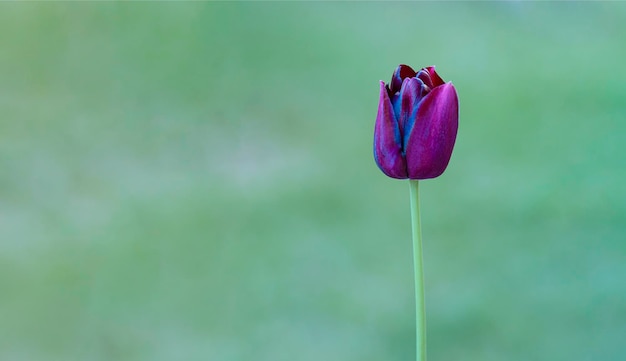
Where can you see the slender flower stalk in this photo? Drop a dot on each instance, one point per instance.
(420, 307)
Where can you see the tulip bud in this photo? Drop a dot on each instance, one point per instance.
(416, 125)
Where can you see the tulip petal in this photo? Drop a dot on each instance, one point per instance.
(424, 76)
(437, 81)
(432, 137)
(412, 91)
(402, 72)
(387, 142)
(396, 103)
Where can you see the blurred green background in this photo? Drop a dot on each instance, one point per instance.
(195, 181)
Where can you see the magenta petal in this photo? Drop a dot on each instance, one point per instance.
(424, 76)
(431, 140)
(387, 144)
(411, 94)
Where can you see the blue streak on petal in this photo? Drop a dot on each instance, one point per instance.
(396, 102)
(410, 121)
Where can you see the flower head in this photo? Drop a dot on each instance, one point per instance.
(416, 125)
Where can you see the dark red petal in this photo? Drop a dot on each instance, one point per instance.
(387, 144)
(402, 72)
(431, 141)
(437, 81)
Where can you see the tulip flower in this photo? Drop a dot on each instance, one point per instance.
(416, 126)
(415, 131)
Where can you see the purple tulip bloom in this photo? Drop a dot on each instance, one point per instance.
(416, 125)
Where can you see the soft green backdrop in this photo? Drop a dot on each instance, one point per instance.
(194, 181)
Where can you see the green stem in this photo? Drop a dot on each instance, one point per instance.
(420, 311)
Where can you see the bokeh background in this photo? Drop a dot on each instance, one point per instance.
(194, 181)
